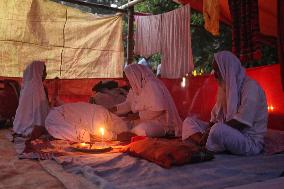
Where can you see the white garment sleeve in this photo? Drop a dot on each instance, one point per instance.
(123, 108)
(214, 113)
(249, 102)
(150, 115)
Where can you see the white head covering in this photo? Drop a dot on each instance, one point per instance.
(144, 62)
(159, 69)
(228, 98)
(33, 103)
(158, 95)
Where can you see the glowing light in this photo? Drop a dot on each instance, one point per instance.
(183, 82)
(270, 108)
(83, 144)
(102, 130)
(194, 73)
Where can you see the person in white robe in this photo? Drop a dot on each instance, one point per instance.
(79, 122)
(158, 73)
(154, 111)
(33, 103)
(145, 62)
(239, 118)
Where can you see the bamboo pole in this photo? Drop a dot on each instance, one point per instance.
(130, 4)
(88, 4)
(130, 40)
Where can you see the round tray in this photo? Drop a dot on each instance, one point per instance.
(94, 149)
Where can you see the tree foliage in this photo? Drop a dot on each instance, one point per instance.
(204, 45)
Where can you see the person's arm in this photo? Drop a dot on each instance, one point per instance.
(121, 109)
(149, 115)
(236, 124)
(245, 116)
(133, 116)
(205, 135)
(211, 123)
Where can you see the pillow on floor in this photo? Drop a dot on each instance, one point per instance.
(166, 153)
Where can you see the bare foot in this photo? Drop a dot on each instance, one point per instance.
(195, 138)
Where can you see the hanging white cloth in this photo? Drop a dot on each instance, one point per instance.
(147, 35)
(169, 34)
(33, 104)
(177, 60)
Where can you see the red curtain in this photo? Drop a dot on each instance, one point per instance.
(197, 98)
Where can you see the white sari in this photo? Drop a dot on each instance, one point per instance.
(76, 121)
(148, 96)
(33, 104)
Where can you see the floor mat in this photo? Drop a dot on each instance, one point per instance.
(19, 174)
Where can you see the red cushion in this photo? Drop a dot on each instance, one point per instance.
(166, 152)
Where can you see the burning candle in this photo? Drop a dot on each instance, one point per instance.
(183, 82)
(83, 144)
(102, 133)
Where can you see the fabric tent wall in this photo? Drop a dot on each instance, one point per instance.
(267, 13)
(74, 44)
(197, 98)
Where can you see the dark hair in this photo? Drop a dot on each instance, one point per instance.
(105, 85)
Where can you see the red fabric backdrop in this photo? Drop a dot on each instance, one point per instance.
(197, 98)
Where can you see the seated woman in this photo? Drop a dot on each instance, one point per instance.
(108, 94)
(155, 114)
(238, 119)
(79, 122)
(33, 103)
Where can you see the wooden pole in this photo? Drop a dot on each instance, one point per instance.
(88, 4)
(130, 4)
(130, 40)
(280, 38)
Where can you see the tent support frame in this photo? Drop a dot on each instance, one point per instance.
(130, 40)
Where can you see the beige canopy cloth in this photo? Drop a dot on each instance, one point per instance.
(72, 43)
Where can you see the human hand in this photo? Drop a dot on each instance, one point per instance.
(204, 137)
(133, 116)
(210, 124)
(113, 109)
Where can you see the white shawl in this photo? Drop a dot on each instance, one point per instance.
(33, 103)
(228, 97)
(151, 92)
